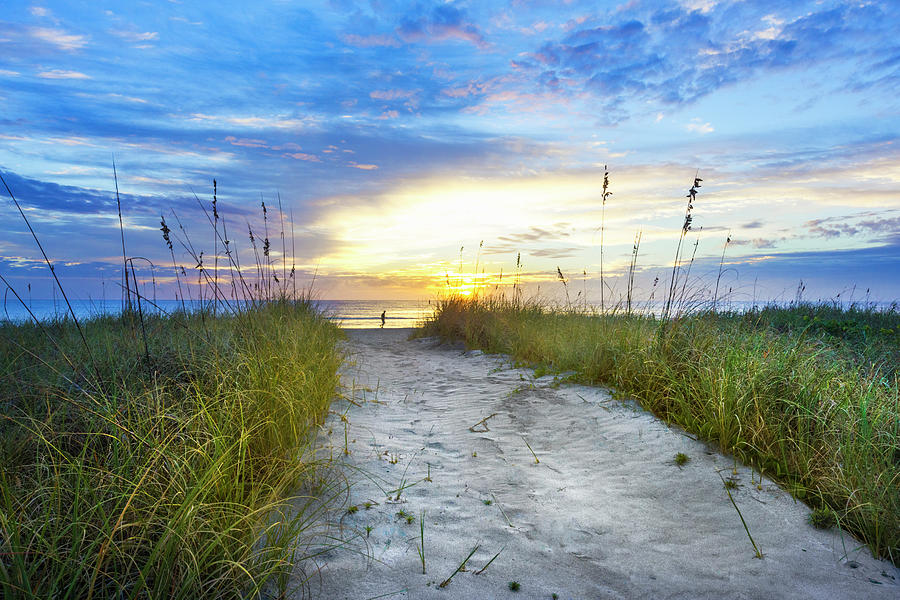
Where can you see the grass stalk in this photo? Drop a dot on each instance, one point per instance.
(758, 553)
(421, 545)
(719, 275)
(461, 566)
(604, 195)
(536, 460)
(488, 563)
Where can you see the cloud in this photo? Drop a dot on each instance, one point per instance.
(878, 226)
(364, 167)
(59, 38)
(246, 142)
(443, 22)
(62, 74)
(134, 36)
(824, 273)
(303, 156)
(697, 126)
(758, 243)
(555, 252)
(392, 94)
(251, 122)
(44, 196)
(680, 54)
(370, 41)
(534, 234)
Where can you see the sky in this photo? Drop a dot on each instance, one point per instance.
(420, 147)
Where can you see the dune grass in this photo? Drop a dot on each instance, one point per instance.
(809, 394)
(160, 466)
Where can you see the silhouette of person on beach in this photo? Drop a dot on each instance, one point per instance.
(382, 318)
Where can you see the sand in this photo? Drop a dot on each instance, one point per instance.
(605, 513)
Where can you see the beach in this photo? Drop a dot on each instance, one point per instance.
(552, 488)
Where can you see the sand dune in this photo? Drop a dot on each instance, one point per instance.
(605, 513)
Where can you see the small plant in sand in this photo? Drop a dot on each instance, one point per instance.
(536, 459)
(488, 563)
(421, 545)
(487, 501)
(758, 552)
(730, 484)
(821, 518)
(461, 567)
(682, 459)
(514, 586)
(352, 509)
(368, 530)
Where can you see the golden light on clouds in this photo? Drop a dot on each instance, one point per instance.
(429, 229)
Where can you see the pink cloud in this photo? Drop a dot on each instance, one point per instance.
(445, 22)
(303, 156)
(472, 89)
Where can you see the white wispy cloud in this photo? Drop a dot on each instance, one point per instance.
(134, 36)
(698, 126)
(252, 122)
(114, 96)
(62, 74)
(392, 94)
(59, 38)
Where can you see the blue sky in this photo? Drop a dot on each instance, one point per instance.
(396, 133)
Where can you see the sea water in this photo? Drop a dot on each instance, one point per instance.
(350, 314)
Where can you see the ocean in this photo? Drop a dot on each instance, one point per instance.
(350, 314)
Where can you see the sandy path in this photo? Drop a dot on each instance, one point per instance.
(605, 513)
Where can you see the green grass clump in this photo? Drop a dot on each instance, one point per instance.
(822, 518)
(806, 394)
(682, 459)
(514, 586)
(156, 459)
